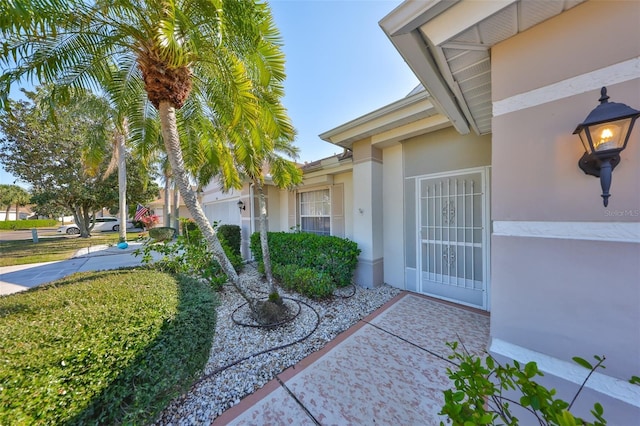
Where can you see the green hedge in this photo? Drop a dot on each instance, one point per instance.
(108, 347)
(307, 281)
(334, 256)
(231, 235)
(162, 233)
(27, 224)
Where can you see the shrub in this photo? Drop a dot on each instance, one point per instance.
(27, 224)
(307, 281)
(190, 255)
(334, 256)
(111, 347)
(163, 233)
(188, 225)
(231, 235)
(479, 395)
(314, 284)
(150, 221)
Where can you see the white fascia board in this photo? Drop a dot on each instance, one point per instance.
(459, 18)
(404, 109)
(417, 128)
(414, 50)
(411, 14)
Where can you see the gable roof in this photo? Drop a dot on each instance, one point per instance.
(447, 45)
(412, 115)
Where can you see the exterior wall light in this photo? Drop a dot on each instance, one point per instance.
(604, 134)
(241, 205)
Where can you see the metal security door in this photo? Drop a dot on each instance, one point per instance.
(452, 211)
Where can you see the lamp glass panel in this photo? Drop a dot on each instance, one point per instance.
(610, 135)
(584, 138)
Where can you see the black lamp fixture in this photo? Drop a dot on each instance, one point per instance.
(604, 134)
(241, 205)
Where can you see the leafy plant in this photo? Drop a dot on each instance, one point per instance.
(307, 281)
(111, 347)
(334, 256)
(150, 221)
(480, 394)
(162, 233)
(188, 255)
(27, 224)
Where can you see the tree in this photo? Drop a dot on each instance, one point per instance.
(50, 154)
(190, 56)
(13, 195)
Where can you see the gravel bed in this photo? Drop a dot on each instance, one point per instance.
(229, 376)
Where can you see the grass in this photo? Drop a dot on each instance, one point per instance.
(53, 248)
(109, 347)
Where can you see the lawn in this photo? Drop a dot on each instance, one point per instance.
(53, 248)
(110, 347)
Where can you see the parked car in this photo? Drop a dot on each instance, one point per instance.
(106, 223)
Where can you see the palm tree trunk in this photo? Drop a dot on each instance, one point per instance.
(169, 128)
(176, 207)
(264, 243)
(122, 180)
(166, 216)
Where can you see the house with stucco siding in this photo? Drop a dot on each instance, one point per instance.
(468, 189)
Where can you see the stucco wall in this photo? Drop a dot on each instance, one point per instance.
(565, 269)
(393, 206)
(444, 151)
(437, 152)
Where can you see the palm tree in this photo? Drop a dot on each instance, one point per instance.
(13, 195)
(188, 54)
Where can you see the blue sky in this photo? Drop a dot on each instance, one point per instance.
(340, 66)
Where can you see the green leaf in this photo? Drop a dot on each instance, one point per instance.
(583, 362)
(458, 396)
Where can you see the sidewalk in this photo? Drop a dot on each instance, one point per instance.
(389, 369)
(21, 277)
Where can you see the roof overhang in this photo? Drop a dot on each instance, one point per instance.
(413, 115)
(447, 44)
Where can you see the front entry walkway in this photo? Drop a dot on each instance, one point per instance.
(389, 369)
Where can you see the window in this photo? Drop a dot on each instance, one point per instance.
(315, 212)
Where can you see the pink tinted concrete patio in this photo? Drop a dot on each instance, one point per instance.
(389, 369)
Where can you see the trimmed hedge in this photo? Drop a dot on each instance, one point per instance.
(14, 225)
(162, 233)
(111, 347)
(307, 281)
(334, 256)
(231, 235)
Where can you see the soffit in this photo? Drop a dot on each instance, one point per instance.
(411, 109)
(457, 43)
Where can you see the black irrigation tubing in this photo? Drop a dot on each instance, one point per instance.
(221, 369)
(238, 361)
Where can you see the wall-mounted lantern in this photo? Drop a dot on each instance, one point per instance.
(604, 134)
(241, 206)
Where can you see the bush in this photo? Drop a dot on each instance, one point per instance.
(307, 281)
(334, 256)
(188, 225)
(231, 235)
(163, 233)
(111, 347)
(189, 255)
(13, 225)
(480, 394)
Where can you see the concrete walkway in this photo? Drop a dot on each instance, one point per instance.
(21, 277)
(389, 369)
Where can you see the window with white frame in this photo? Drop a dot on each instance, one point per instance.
(315, 212)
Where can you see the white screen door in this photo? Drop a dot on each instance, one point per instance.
(452, 255)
